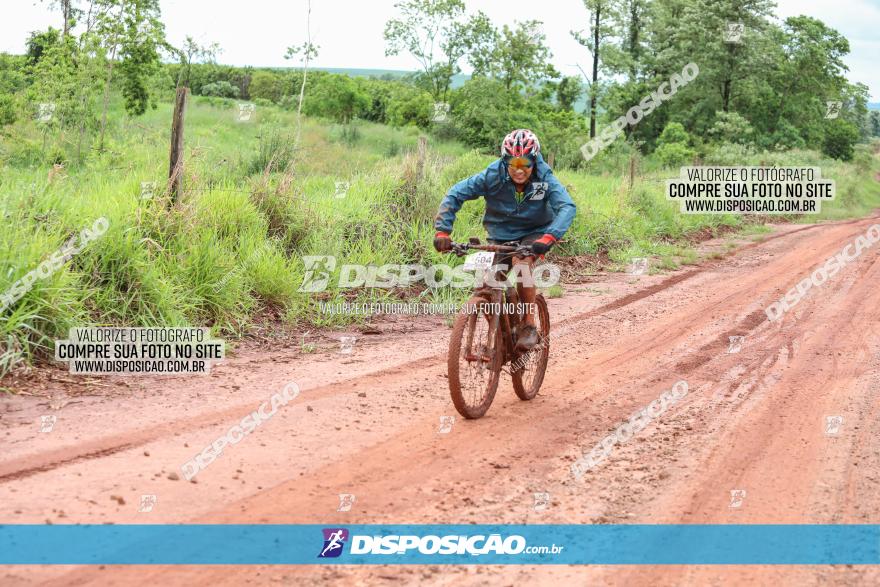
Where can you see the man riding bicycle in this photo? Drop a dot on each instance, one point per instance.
(535, 213)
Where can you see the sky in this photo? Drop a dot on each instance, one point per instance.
(349, 33)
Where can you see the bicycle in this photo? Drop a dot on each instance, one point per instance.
(476, 358)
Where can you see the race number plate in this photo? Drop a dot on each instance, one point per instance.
(481, 260)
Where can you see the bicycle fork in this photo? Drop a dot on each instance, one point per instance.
(486, 354)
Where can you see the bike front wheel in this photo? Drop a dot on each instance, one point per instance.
(474, 365)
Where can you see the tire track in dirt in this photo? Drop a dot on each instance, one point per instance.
(19, 468)
(485, 473)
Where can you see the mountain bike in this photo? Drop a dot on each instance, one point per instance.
(483, 340)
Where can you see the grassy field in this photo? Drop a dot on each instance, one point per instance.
(231, 249)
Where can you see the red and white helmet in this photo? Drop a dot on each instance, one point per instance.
(520, 143)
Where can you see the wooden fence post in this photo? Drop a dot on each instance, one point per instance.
(175, 169)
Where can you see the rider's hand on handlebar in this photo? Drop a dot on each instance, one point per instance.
(543, 244)
(442, 242)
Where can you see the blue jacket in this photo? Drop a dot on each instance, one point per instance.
(546, 207)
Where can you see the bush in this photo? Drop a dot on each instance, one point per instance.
(336, 97)
(221, 89)
(267, 85)
(7, 110)
(674, 133)
(674, 154)
(275, 152)
(673, 148)
(840, 138)
(410, 107)
(215, 101)
(730, 127)
(562, 133)
(786, 137)
(349, 134)
(728, 154)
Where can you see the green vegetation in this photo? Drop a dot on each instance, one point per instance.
(232, 249)
(85, 116)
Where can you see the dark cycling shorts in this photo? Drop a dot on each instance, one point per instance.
(526, 240)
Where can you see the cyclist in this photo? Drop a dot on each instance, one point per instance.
(524, 202)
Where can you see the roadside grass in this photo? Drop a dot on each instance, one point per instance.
(555, 291)
(234, 246)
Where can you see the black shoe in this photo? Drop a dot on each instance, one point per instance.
(528, 338)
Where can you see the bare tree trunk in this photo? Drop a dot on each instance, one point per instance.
(65, 11)
(175, 170)
(725, 96)
(634, 29)
(595, 84)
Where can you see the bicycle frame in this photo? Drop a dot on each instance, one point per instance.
(500, 296)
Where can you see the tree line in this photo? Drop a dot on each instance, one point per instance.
(763, 84)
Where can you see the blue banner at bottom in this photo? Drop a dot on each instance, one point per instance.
(441, 544)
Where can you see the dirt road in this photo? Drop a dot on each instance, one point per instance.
(755, 420)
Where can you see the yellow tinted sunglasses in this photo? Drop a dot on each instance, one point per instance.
(520, 162)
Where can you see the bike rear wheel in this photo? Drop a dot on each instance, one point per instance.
(527, 370)
(473, 368)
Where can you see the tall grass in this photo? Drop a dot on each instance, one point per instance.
(254, 204)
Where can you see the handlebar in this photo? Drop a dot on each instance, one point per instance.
(460, 249)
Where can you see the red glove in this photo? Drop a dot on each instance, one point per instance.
(442, 242)
(543, 244)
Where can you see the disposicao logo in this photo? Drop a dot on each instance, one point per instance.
(334, 540)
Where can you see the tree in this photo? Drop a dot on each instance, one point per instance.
(112, 28)
(307, 51)
(598, 40)
(38, 42)
(412, 106)
(485, 112)
(521, 58)
(875, 123)
(568, 91)
(811, 73)
(67, 83)
(139, 51)
(632, 22)
(336, 96)
(855, 110)
(481, 39)
(131, 31)
(192, 52)
(69, 13)
(432, 31)
(696, 34)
